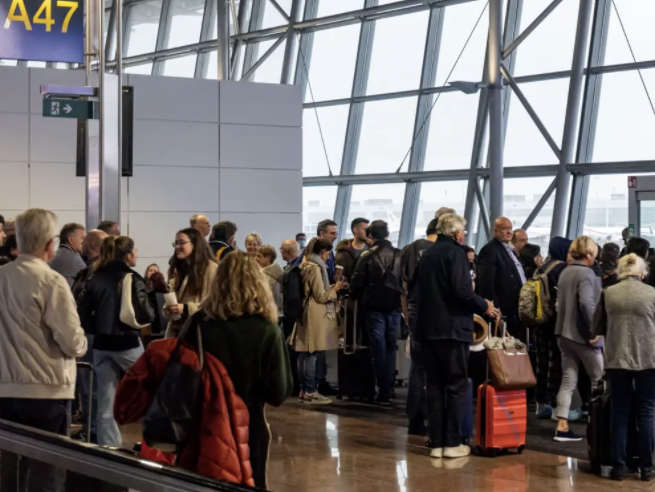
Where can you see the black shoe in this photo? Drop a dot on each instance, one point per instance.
(647, 475)
(618, 474)
(326, 389)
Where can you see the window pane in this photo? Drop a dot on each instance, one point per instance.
(332, 64)
(458, 24)
(607, 208)
(626, 125)
(36, 64)
(332, 7)
(397, 57)
(378, 201)
(145, 69)
(550, 47)
(637, 18)
(452, 125)
(524, 144)
(185, 22)
(9, 63)
(434, 196)
(142, 27)
(272, 17)
(386, 135)
(317, 204)
(333, 120)
(271, 70)
(180, 67)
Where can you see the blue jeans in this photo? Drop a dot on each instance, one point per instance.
(632, 388)
(383, 331)
(307, 371)
(417, 409)
(321, 368)
(109, 367)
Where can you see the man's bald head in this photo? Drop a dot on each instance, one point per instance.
(92, 243)
(503, 229)
(290, 250)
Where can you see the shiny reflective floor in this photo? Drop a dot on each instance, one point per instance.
(319, 452)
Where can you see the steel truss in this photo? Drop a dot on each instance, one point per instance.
(485, 178)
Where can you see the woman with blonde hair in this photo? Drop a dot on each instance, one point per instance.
(253, 242)
(578, 291)
(625, 316)
(238, 324)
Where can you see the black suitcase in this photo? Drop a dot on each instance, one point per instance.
(355, 371)
(89, 367)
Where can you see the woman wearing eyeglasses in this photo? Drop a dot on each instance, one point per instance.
(192, 271)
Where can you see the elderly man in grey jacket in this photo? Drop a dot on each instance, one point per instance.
(578, 293)
(68, 261)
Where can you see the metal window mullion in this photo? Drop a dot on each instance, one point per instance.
(110, 43)
(421, 124)
(235, 59)
(355, 115)
(126, 28)
(292, 43)
(256, 21)
(203, 57)
(162, 35)
(305, 49)
(589, 118)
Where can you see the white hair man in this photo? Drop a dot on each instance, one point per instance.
(201, 224)
(443, 211)
(40, 338)
(444, 328)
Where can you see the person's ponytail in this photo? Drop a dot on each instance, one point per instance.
(107, 252)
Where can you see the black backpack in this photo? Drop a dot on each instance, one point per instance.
(293, 293)
(386, 291)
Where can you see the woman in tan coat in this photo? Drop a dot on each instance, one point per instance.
(317, 329)
(192, 272)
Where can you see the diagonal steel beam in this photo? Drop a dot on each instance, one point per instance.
(484, 211)
(533, 114)
(280, 10)
(540, 204)
(263, 58)
(528, 30)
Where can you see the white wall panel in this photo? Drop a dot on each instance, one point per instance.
(16, 194)
(68, 216)
(14, 137)
(246, 103)
(175, 143)
(162, 188)
(273, 228)
(15, 81)
(172, 98)
(277, 147)
(54, 186)
(52, 139)
(247, 190)
(45, 76)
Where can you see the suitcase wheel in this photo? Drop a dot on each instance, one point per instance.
(520, 449)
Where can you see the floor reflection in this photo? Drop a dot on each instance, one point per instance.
(318, 452)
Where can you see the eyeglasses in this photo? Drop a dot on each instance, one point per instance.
(179, 243)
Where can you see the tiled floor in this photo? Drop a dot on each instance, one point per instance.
(319, 452)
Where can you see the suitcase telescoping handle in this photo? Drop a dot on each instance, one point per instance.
(89, 366)
(346, 351)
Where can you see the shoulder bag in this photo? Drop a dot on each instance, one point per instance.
(127, 313)
(510, 368)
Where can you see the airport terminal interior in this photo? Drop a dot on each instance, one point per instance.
(279, 114)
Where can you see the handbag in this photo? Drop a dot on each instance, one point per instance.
(127, 314)
(510, 368)
(174, 411)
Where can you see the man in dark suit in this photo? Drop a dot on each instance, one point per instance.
(444, 328)
(501, 276)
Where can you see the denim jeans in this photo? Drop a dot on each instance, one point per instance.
(307, 371)
(321, 367)
(29, 475)
(82, 387)
(109, 367)
(417, 411)
(632, 388)
(383, 331)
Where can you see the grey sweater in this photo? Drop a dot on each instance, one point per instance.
(578, 291)
(626, 317)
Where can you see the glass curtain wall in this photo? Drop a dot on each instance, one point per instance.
(386, 135)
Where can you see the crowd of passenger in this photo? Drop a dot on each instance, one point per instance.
(68, 294)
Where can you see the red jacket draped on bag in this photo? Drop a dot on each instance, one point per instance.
(219, 448)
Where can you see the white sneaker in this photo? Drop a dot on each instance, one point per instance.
(316, 398)
(457, 452)
(436, 453)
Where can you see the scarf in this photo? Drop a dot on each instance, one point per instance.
(330, 305)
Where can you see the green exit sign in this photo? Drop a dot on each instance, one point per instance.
(69, 108)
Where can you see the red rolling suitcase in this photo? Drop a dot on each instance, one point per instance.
(502, 420)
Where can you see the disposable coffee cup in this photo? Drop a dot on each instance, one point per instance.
(170, 299)
(338, 273)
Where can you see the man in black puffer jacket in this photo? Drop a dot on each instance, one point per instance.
(377, 284)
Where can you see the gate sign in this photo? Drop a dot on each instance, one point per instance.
(42, 30)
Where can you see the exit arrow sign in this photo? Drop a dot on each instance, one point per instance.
(69, 108)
